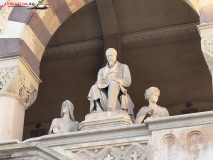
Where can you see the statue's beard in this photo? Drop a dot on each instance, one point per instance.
(111, 64)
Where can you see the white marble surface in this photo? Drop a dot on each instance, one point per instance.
(11, 119)
(122, 142)
(176, 137)
(97, 120)
(26, 151)
(187, 120)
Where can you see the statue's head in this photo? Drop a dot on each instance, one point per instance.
(111, 55)
(67, 107)
(152, 94)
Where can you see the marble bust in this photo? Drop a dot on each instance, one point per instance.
(153, 110)
(67, 121)
(109, 92)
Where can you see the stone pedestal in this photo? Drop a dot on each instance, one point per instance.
(98, 120)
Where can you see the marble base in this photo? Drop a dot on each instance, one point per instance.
(98, 120)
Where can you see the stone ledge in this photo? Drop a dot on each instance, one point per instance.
(14, 141)
(30, 150)
(92, 135)
(179, 121)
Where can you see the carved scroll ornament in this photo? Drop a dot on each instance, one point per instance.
(207, 48)
(12, 83)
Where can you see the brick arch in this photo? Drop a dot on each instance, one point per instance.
(26, 32)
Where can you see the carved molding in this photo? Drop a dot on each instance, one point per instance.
(126, 38)
(13, 83)
(73, 47)
(160, 33)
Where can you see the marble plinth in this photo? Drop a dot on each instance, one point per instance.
(98, 120)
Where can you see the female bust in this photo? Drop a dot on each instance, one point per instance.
(67, 121)
(153, 110)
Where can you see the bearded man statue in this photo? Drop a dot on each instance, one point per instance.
(109, 92)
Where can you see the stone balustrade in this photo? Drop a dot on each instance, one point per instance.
(176, 137)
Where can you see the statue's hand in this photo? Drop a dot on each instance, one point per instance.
(150, 112)
(56, 130)
(115, 79)
(103, 81)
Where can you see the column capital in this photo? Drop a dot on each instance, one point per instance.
(206, 34)
(18, 80)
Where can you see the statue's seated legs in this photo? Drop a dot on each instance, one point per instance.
(113, 91)
(108, 99)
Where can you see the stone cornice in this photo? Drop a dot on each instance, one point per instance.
(93, 135)
(126, 38)
(159, 33)
(73, 47)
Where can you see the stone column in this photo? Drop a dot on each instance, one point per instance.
(18, 90)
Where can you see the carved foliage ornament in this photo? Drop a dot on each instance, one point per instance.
(12, 82)
(207, 48)
(5, 77)
(208, 45)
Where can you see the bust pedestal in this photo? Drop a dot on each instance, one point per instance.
(98, 120)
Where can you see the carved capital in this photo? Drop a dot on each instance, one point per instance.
(207, 49)
(18, 81)
(206, 33)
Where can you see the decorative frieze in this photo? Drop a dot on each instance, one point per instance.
(159, 33)
(73, 47)
(137, 150)
(126, 38)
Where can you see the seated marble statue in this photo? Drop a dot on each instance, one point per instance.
(153, 110)
(109, 92)
(67, 123)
